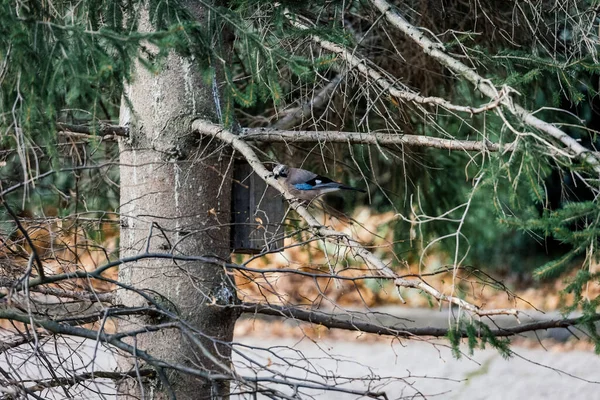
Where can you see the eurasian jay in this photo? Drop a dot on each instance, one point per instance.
(306, 185)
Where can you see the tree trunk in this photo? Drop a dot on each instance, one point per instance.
(175, 197)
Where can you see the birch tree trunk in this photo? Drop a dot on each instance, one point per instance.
(175, 197)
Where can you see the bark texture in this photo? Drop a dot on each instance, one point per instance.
(175, 197)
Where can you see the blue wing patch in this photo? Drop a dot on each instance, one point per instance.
(303, 186)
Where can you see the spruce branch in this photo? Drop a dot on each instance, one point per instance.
(405, 94)
(484, 85)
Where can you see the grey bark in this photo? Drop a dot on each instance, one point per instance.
(180, 185)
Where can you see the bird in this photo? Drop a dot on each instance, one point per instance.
(306, 185)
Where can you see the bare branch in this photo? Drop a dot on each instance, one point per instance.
(437, 51)
(356, 322)
(10, 342)
(296, 116)
(102, 129)
(116, 341)
(275, 135)
(338, 238)
(34, 254)
(86, 137)
(403, 94)
(103, 297)
(51, 172)
(75, 379)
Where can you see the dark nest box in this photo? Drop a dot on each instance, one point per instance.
(258, 212)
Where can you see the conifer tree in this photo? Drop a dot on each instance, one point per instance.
(121, 123)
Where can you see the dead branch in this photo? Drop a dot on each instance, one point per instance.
(116, 340)
(275, 135)
(355, 321)
(436, 51)
(296, 116)
(404, 94)
(76, 379)
(34, 255)
(100, 130)
(71, 294)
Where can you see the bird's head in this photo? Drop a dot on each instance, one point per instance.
(280, 170)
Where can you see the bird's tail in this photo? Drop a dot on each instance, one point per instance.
(352, 188)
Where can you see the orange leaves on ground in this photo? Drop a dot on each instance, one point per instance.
(62, 248)
(278, 284)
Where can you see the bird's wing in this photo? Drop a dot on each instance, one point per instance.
(321, 181)
(318, 183)
(299, 176)
(302, 179)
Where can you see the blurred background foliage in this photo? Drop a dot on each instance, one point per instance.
(69, 62)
